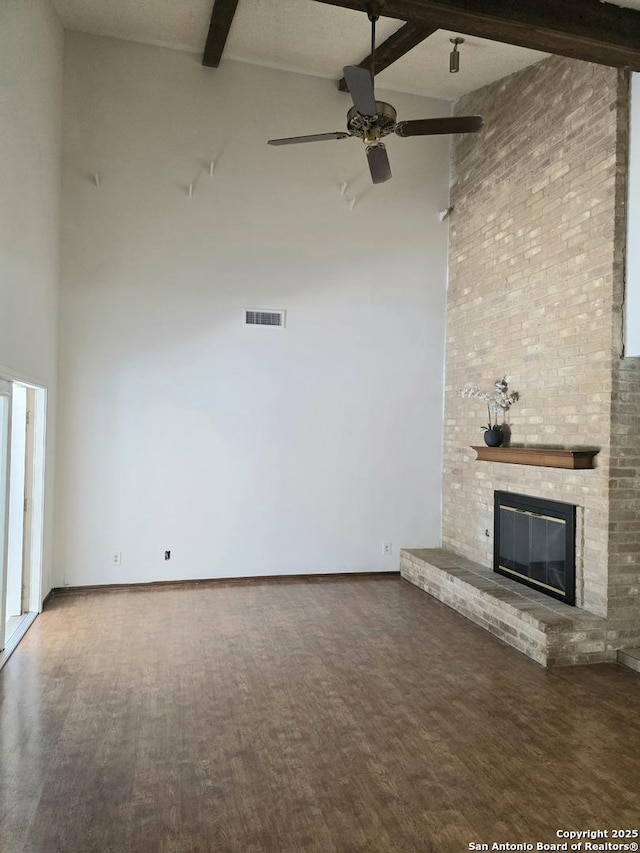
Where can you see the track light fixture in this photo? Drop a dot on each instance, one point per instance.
(454, 56)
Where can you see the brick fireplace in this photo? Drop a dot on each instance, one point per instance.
(536, 264)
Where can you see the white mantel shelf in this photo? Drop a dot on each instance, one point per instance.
(544, 457)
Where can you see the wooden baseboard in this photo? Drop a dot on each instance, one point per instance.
(214, 582)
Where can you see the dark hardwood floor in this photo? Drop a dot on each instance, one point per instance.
(303, 717)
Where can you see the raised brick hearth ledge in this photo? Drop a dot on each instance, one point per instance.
(550, 632)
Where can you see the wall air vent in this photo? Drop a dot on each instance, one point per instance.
(264, 318)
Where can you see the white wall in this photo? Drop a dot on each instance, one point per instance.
(632, 287)
(243, 451)
(31, 46)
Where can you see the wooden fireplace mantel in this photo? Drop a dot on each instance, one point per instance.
(544, 457)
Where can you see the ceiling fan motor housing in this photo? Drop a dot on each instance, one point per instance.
(382, 124)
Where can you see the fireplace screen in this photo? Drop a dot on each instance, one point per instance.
(534, 543)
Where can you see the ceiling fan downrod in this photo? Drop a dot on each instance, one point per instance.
(374, 8)
(373, 45)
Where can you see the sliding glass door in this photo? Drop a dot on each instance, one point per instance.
(5, 443)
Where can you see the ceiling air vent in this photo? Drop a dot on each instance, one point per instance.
(264, 318)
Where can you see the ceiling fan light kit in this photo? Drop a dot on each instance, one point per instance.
(371, 120)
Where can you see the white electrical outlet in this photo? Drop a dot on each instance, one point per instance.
(116, 558)
(386, 548)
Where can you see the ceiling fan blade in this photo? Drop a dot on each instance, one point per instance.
(315, 137)
(360, 87)
(378, 163)
(432, 126)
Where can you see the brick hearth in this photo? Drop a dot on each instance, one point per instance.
(549, 631)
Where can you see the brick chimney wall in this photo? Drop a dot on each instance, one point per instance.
(535, 293)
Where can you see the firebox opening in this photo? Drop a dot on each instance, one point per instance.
(534, 543)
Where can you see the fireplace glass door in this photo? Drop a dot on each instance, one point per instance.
(535, 543)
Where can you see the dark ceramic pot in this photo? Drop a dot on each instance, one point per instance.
(493, 437)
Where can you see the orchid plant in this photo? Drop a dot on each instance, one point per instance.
(498, 401)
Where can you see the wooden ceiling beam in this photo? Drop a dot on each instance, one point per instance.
(589, 30)
(221, 20)
(397, 45)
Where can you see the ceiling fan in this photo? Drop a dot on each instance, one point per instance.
(371, 120)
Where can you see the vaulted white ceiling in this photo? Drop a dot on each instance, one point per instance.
(304, 36)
